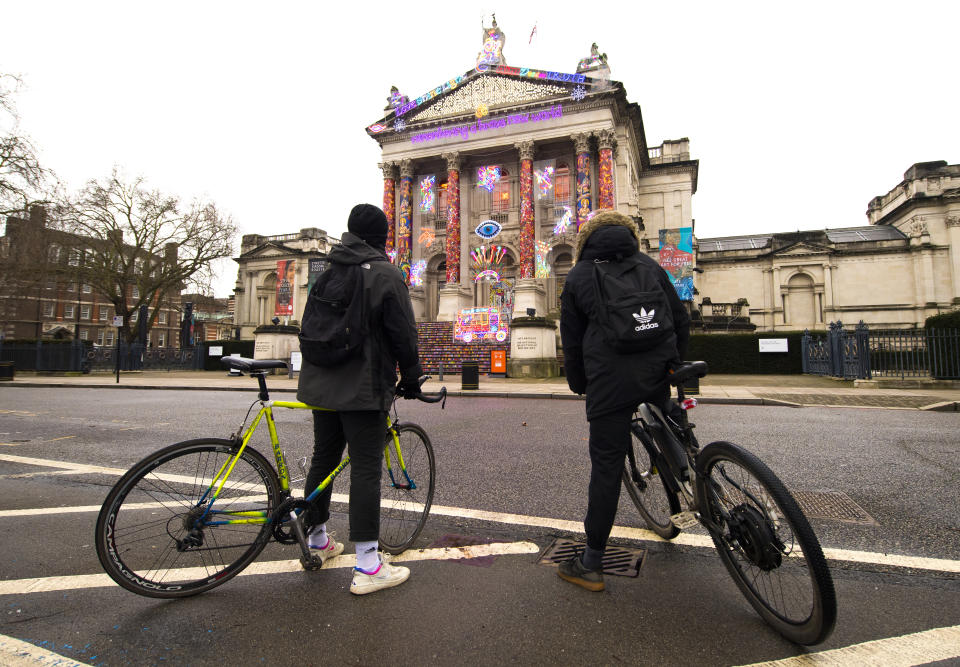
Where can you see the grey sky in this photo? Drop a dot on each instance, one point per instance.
(799, 114)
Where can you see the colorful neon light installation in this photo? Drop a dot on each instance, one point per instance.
(484, 258)
(487, 274)
(583, 187)
(488, 229)
(488, 177)
(543, 269)
(527, 261)
(404, 223)
(605, 179)
(427, 237)
(578, 93)
(427, 196)
(389, 203)
(416, 272)
(480, 324)
(544, 181)
(399, 125)
(453, 220)
(563, 224)
(392, 254)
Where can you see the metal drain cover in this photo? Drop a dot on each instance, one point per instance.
(833, 505)
(618, 561)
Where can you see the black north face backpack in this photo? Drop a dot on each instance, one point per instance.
(334, 322)
(632, 308)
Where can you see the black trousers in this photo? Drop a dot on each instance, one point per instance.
(364, 433)
(609, 442)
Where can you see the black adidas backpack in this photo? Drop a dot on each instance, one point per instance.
(334, 321)
(632, 308)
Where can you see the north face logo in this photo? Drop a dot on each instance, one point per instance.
(643, 320)
(644, 316)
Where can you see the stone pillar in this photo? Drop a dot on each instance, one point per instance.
(405, 219)
(453, 218)
(389, 200)
(533, 348)
(953, 234)
(827, 292)
(527, 256)
(607, 142)
(581, 143)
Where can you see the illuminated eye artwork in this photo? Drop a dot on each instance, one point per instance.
(544, 181)
(416, 272)
(487, 274)
(542, 268)
(484, 258)
(427, 237)
(377, 128)
(488, 229)
(488, 177)
(427, 196)
(564, 222)
(392, 254)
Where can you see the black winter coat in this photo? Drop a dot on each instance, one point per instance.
(613, 380)
(368, 381)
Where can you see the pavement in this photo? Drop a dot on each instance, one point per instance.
(779, 390)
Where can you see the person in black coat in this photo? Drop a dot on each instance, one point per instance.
(615, 383)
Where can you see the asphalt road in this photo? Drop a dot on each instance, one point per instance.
(524, 462)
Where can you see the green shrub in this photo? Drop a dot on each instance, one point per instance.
(740, 353)
(949, 320)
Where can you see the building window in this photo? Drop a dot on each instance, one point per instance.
(85, 312)
(48, 309)
(561, 188)
(83, 334)
(103, 314)
(71, 286)
(134, 316)
(53, 254)
(87, 288)
(68, 311)
(51, 283)
(75, 256)
(162, 317)
(500, 197)
(135, 292)
(99, 336)
(160, 339)
(109, 339)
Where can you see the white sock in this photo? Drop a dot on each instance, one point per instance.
(318, 535)
(368, 559)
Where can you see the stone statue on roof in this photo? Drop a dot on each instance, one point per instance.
(395, 99)
(493, 41)
(595, 64)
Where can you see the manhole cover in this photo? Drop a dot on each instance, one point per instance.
(618, 561)
(832, 505)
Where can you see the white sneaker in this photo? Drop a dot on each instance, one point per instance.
(331, 550)
(387, 576)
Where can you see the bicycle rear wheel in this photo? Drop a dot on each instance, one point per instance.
(644, 482)
(154, 535)
(766, 543)
(406, 486)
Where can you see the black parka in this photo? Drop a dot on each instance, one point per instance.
(613, 380)
(368, 381)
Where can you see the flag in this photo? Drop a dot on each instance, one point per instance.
(532, 33)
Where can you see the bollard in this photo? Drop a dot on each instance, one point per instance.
(440, 373)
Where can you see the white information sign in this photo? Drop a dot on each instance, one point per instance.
(118, 320)
(295, 359)
(216, 350)
(773, 344)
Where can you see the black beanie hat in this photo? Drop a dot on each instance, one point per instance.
(369, 223)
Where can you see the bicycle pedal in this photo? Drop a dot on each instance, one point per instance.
(684, 520)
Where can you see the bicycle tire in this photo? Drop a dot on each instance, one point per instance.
(767, 543)
(404, 510)
(655, 502)
(148, 510)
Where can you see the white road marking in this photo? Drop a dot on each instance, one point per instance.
(16, 653)
(76, 582)
(904, 651)
(639, 534)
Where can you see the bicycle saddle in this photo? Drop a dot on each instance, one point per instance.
(249, 365)
(688, 370)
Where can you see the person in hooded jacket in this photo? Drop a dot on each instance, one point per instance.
(615, 383)
(357, 395)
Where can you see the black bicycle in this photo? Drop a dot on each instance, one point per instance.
(762, 536)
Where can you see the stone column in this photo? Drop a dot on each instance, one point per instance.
(453, 218)
(389, 200)
(952, 222)
(581, 143)
(606, 143)
(405, 219)
(527, 252)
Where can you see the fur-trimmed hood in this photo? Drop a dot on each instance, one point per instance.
(604, 218)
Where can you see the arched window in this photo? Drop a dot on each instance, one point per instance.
(501, 194)
(561, 195)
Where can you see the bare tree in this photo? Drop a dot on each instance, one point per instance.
(22, 180)
(138, 246)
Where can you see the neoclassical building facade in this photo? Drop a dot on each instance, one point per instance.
(488, 176)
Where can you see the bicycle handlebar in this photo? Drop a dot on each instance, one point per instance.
(433, 398)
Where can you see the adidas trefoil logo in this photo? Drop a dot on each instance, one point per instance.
(643, 320)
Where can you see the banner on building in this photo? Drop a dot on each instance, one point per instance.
(286, 279)
(315, 267)
(676, 257)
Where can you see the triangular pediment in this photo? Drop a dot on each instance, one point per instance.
(269, 250)
(493, 91)
(802, 248)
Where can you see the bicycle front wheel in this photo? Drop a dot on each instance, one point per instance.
(407, 479)
(165, 532)
(766, 543)
(644, 482)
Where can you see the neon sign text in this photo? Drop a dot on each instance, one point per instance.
(484, 125)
